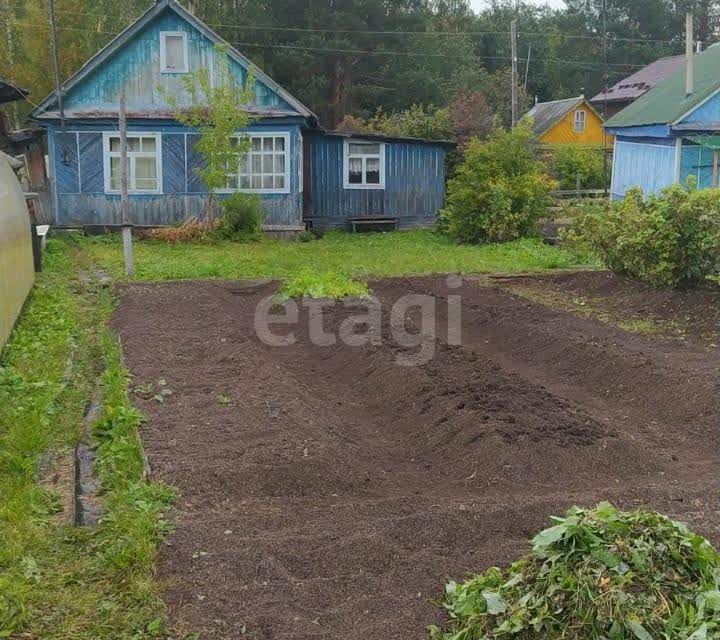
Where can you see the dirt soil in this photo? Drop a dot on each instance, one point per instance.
(687, 315)
(328, 492)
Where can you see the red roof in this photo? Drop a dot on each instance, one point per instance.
(642, 81)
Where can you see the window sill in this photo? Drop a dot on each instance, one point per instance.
(371, 187)
(267, 192)
(135, 193)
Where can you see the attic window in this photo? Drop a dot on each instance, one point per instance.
(173, 52)
(579, 121)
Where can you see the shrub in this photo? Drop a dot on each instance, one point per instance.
(242, 217)
(596, 575)
(471, 117)
(672, 239)
(499, 191)
(568, 162)
(416, 122)
(307, 236)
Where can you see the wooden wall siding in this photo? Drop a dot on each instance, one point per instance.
(92, 179)
(66, 163)
(705, 113)
(136, 68)
(650, 166)
(81, 209)
(173, 163)
(80, 185)
(414, 184)
(697, 161)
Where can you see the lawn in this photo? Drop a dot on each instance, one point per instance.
(411, 252)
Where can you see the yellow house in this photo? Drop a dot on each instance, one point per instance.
(571, 121)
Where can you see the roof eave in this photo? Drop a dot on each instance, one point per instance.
(382, 137)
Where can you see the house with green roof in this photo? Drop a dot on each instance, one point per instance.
(670, 134)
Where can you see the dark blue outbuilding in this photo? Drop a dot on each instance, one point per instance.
(303, 174)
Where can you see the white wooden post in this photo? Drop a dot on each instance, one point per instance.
(514, 75)
(124, 202)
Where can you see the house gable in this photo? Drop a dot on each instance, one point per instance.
(132, 63)
(563, 131)
(705, 113)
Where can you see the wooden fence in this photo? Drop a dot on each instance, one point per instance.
(16, 257)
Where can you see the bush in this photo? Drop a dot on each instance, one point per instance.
(307, 236)
(242, 218)
(672, 239)
(569, 161)
(416, 122)
(595, 575)
(500, 189)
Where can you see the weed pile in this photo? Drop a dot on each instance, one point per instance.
(191, 230)
(598, 574)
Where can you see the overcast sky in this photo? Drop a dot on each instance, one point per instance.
(480, 4)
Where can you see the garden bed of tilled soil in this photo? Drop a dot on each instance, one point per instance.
(328, 492)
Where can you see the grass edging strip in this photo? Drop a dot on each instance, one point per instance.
(59, 581)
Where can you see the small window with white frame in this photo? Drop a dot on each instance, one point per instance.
(264, 168)
(580, 117)
(364, 165)
(173, 52)
(144, 168)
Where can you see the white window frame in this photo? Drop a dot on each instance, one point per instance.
(346, 165)
(107, 154)
(263, 136)
(578, 120)
(163, 51)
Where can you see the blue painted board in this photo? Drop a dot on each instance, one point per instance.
(414, 184)
(648, 166)
(136, 69)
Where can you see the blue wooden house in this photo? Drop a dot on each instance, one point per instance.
(670, 133)
(305, 176)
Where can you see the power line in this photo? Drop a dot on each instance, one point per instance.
(547, 34)
(376, 52)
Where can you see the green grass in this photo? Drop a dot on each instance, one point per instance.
(357, 255)
(57, 581)
(325, 284)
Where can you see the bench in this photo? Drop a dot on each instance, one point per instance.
(372, 222)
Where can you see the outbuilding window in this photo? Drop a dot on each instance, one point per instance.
(364, 165)
(265, 168)
(580, 121)
(173, 52)
(144, 162)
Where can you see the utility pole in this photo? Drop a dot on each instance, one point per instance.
(689, 55)
(58, 85)
(124, 202)
(605, 97)
(514, 79)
